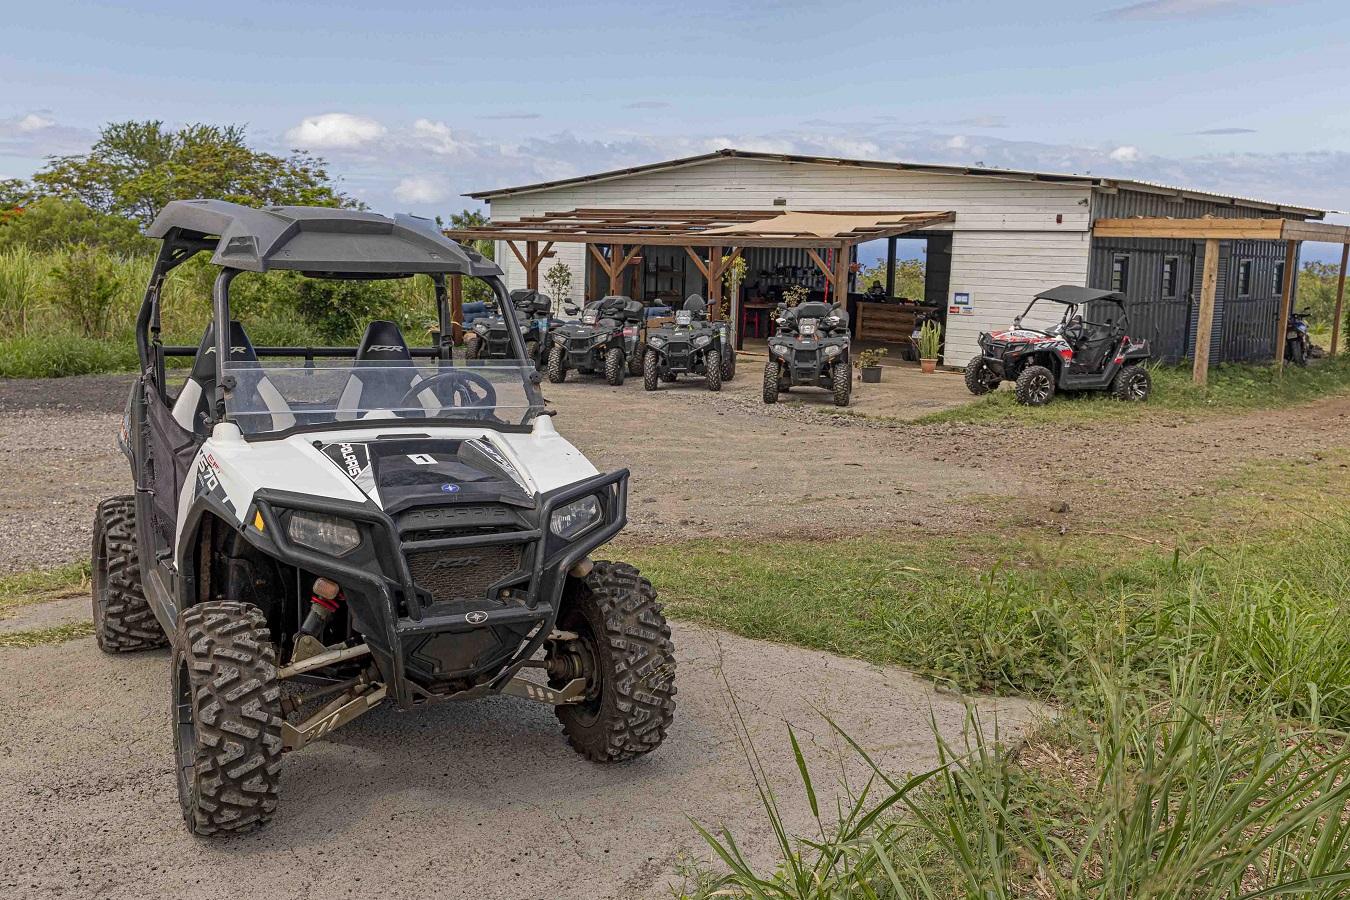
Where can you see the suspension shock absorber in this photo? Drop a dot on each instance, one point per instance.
(324, 600)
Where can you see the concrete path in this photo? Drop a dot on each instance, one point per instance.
(479, 800)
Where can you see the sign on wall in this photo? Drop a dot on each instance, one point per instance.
(961, 304)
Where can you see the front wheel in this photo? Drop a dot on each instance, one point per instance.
(473, 345)
(532, 352)
(728, 363)
(226, 718)
(614, 366)
(712, 365)
(772, 373)
(557, 365)
(1132, 383)
(624, 651)
(651, 376)
(1035, 386)
(635, 362)
(979, 379)
(841, 380)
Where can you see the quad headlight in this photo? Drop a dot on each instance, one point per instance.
(480, 327)
(324, 533)
(779, 350)
(657, 342)
(572, 519)
(832, 351)
(703, 340)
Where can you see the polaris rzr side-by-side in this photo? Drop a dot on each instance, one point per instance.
(690, 346)
(608, 340)
(488, 338)
(811, 347)
(316, 531)
(1072, 354)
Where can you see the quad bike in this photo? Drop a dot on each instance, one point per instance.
(810, 348)
(1298, 346)
(1072, 354)
(387, 527)
(608, 340)
(691, 346)
(488, 338)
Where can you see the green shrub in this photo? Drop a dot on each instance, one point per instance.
(84, 287)
(54, 355)
(22, 273)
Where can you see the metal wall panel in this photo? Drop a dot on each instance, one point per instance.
(1165, 322)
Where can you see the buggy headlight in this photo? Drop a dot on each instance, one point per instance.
(327, 534)
(703, 340)
(572, 519)
(833, 350)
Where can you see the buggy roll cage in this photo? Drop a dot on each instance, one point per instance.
(1071, 297)
(319, 242)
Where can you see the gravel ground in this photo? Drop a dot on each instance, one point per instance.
(724, 465)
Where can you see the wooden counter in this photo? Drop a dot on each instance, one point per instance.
(891, 323)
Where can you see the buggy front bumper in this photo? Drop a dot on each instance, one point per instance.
(427, 650)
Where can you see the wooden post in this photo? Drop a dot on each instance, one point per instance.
(532, 270)
(615, 268)
(890, 267)
(841, 263)
(1340, 297)
(1286, 300)
(715, 282)
(457, 308)
(1205, 328)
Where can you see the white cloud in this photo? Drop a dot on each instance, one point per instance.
(1125, 154)
(437, 137)
(335, 131)
(957, 142)
(34, 122)
(421, 189)
(1183, 9)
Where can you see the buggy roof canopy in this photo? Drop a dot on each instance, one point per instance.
(705, 227)
(319, 241)
(1074, 295)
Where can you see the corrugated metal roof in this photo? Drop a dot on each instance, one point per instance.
(974, 171)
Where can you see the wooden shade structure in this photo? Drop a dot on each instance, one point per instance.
(1212, 231)
(713, 238)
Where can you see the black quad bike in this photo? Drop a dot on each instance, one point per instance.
(607, 340)
(393, 525)
(810, 348)
(1072, 354)
(690, 346)
(489, 339)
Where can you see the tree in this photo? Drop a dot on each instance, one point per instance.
(134, 168)
(909, 275)
(49, 223)
(474, 218)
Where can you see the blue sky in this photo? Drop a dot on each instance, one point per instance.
(413, 103)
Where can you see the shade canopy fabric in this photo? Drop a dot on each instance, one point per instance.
(829, 225)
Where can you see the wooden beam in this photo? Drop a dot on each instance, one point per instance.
(820, 263)
(520, 256)
(457, 308)
(615, 269)
(698, 261)
(532, 266)
(1205, 328)
(1316, 231)
(1286, 300)
(1191, 229)
(1340, 297)
(715, 281)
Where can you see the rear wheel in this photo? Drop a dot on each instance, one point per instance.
(635, 362)
(123, 620)
(979, 379)
(772, 372)
(1297, 355)
(712, 365)
(1132, 383)
(841, 380)
(1035, 386)
(728, 363)
(226, 718)
(614, 366)
(557, 365)
(623, 648)
(473, 345)
(532, 352)
(651, 377)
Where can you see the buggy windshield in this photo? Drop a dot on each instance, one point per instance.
(291, 394)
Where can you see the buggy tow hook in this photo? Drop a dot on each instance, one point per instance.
(363, 696)
(323, 602)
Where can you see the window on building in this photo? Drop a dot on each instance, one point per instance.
(1170, 269)
(1244, 278)
(1120, 272)
(1279, 278)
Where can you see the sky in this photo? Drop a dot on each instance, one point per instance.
(414, 103)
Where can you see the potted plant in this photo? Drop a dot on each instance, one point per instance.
(869, 365)
(559, 278)
(930, 341)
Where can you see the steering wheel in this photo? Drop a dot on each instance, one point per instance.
(468, 390)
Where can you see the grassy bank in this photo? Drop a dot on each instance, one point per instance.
(26, 588)
(1204, 683)
(1231, 388)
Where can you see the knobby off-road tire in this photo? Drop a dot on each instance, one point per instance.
(1297, 355)
(1035, 386)
(651, 375)
(670, 377)
(620, 621)
(226, 718)
(712, 364)
(532, 353)
(772, 372)
(728, 364)
(636, 362)
(615, 368)
(979, 380)
(557, 365)
(472, 345)
(1132, 383)
(841, 379)
(123, 620)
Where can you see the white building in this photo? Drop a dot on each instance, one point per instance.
(1013, 234)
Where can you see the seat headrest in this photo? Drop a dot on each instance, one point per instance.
(384, 342)
(241, 350)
